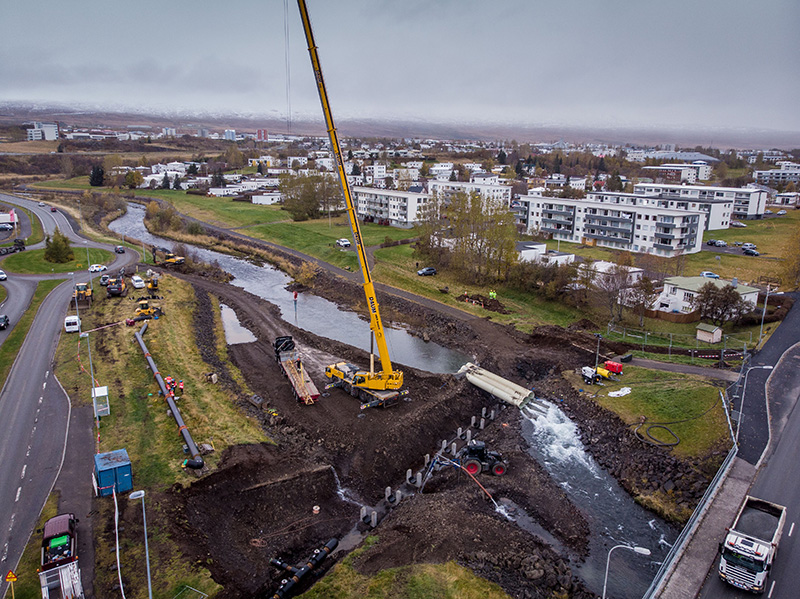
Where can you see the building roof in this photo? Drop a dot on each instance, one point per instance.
(695, 283)
(708, 328)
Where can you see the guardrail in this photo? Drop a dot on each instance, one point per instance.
(671, 560)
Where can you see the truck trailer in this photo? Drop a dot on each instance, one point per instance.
(751, 544)
(59, 575)
(288, 358)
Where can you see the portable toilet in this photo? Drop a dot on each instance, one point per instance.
(112, 471)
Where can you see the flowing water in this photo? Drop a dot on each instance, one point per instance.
(309, 312)
(614, 518)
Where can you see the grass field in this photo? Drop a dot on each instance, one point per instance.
(12, 344)
(667, 398)
(32, 262)
(421, 581)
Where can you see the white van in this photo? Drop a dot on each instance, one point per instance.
(72, 324)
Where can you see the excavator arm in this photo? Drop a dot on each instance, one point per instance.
(388, 378)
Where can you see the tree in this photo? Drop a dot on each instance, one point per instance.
(111, 161)
(720, 304)
(610, 285)
(176, 184)
(641, 296)
(260, 168)
(165, 182)
(57, 248)
(501, 157)
(192, 170)
(614, 182)
(356, 169)
(217, 179)
(96, 177)
(133, 179)
(305, 197)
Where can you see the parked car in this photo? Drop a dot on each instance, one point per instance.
(736, 223)
(781, 212)
(749, 246)
(4, 322)
(711, 242)
(137, 282)
(97, 268)
(427, 271)
(721, 244)
(767, 211)
(3, 276)
(120, 249)
(72, 324)
(6, 227)
(104, 280)
(750, 252)
(343, 243)
(709, 275)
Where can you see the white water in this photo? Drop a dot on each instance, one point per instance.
(613, 517)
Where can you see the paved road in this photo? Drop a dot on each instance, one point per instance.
(35, 414)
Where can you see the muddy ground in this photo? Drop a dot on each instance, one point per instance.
(260, 502)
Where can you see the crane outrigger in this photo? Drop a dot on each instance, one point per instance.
(375, 389)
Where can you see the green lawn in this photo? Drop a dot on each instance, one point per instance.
(32, 262)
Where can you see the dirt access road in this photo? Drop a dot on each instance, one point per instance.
(258, 503)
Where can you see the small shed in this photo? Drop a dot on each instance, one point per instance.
(112, 471)
(709, 333)
(100, 401)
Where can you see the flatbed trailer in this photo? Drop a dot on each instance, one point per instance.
(291, 364)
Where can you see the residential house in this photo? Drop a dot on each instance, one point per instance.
(531, 251)
(679, 292)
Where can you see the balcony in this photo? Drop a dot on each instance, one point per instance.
(551, 208)
(591, 223)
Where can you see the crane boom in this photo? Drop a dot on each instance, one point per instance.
(388, 378)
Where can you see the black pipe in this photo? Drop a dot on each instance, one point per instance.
(196, 462)
(287, 585)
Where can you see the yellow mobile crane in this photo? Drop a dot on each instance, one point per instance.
(375, 389)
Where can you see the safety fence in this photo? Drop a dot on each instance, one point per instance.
(680, 342)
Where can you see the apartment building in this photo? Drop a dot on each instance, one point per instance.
(789, 198)
(43, 131)
(393, 207)
(615, 220)
(679, 292)
(445, 189)
(789, 172)
(748, 203)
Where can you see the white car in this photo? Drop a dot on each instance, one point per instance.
(781, 212)
(137, 282)
(3, 276)
(97, 268)
(343, 243)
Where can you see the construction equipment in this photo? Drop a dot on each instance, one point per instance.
(145, 310)
(166, 256)
(117, 286)
(82, 294)
(475, 458)
(152, 282)
(59, 575)
(292, 366)
(375, 389)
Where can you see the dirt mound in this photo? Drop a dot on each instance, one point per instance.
(258, 505)
(584, 324)
(493, 305)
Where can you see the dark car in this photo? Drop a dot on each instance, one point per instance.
(4, 322)
(104, 280)
(427, 271)
(711, 242)
(53, 209)
(120, 249)
(750, 252)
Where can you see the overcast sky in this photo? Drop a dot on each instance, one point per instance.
(627, 63)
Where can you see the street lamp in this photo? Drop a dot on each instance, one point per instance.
(639, 550)
(597, 352)
(763, 314)
(75, 295)
(140, 495)
(88, 264)
(744, 389)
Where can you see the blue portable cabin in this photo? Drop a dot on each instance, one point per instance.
(112, 471)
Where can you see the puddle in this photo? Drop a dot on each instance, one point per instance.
(235, 333)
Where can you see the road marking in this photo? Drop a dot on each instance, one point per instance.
(771, 588)
(24, 468)
(44, 385)
(791, 529)
(46, 374)
(5, 553)
(19, 490)
(40, 399)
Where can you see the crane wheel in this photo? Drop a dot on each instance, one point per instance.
(499, 469)
(472, 466)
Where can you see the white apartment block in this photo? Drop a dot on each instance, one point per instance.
(747, 203)
(789, 172)
(671, 173)
(43, 131)
(445, 189)
(230, 135)
(301, 160)
(375, 171)
(616, 220)
(389, 206)
(264, 160)
(789, 198)
(484, 177)
(441, 171)
(324, 163)
(417, 164)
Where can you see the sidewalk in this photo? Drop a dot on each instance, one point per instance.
(700, 556)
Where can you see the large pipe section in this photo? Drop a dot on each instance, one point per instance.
(502, 389)
(288, 585)
(197, 461)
